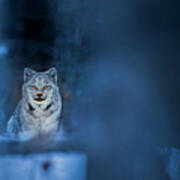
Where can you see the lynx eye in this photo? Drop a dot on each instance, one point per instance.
(33, 87)
(46, 87)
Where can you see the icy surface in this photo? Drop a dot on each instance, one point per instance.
(50, 166)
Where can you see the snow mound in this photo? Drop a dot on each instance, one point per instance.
(42, 166)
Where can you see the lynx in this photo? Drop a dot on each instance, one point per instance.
(39, 110)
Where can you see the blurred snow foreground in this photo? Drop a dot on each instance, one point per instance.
(41, 159)
(60, 166)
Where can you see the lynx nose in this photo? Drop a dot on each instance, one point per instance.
(39, 94)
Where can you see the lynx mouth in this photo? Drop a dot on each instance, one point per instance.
(39, 99)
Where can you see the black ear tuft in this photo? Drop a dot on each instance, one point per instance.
(52, 73)
(28, 74)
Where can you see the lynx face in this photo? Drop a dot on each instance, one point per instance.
(40, 87)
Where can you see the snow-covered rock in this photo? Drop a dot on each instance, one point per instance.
(41, 159)
(50, 166)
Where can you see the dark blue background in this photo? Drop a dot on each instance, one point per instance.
(118, 64)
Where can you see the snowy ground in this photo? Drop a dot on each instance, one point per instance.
(36, 161)
(50, 166)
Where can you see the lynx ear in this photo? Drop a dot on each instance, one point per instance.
(52, 73)
(28, 74)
